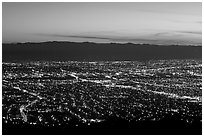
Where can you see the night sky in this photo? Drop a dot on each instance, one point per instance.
(137, 22)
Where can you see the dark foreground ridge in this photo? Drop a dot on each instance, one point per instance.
(86, 51)
(113, 126)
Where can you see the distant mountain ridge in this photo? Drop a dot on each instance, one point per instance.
(88, 51)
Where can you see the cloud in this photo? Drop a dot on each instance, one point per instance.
(148, 40)
(191, 32)
(199, 22)
(120, 39)
(75, 36)
(85, 37)
(160, 34)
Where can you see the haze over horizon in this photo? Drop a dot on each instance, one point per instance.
(137, 22)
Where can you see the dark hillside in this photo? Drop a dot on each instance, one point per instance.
(95, 52)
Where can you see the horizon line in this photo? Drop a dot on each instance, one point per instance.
(122, 43)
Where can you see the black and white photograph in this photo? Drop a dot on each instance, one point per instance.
(101, 68)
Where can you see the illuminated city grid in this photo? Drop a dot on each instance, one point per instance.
(55, 93)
